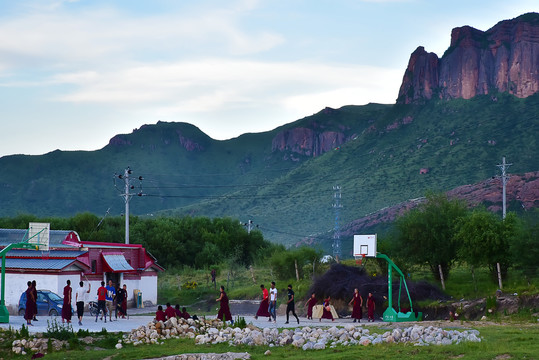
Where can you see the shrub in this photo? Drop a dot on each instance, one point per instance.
(59, 331)
(190, 285)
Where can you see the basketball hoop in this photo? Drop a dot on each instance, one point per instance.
(39, 235)
(359, 259)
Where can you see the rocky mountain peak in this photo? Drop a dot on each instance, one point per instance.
(504, 58)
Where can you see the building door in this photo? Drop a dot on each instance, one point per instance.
(115, 277)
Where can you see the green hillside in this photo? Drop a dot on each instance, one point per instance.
(459, 141)
(288, 195)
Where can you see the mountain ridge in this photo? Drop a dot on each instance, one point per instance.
(380, 155)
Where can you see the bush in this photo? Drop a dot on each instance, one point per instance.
(240, 322)
(190, 285)
(59, 331)
(284, 262)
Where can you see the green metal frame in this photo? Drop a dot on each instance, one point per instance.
(390, 314)
(4, 314)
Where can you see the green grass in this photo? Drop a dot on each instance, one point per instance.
(240, 286)
(462, 285)
(291, 199)
(511, 341)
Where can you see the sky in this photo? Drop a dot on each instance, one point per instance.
(75, 73)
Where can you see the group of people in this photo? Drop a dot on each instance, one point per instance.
(31, 303)
(268, 305)
(326, 308)
(110, 299)
(357, 306)
(106, 298)
(171, 312)
(356, 302)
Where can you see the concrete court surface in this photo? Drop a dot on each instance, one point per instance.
(136, 320)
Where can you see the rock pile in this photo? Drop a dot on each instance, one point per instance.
(307, 338)
(36, 345)
(172, 328)
(40, 344)
(207, 356)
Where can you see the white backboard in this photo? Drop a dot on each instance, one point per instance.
(43, 233)
(365, 245)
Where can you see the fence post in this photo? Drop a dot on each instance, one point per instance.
(499, 275)
(252, 273)
(441, 276)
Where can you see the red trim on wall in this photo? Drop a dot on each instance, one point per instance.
(104, 244)
(41, 272)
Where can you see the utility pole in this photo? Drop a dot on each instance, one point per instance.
(127, 195)
(249, 223)
(503, 167)
(337, 233)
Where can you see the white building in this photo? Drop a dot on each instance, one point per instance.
(69, 258)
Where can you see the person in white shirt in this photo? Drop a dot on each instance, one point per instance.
(80, 296)
(273, 302)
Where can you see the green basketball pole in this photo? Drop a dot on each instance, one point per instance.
(392, 315)
(4, 314)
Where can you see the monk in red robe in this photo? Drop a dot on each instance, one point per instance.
(170, 312)
(224, 310)
(370, 307)
(185, 314)
(357, 300)
(310, 304)
(34, 287)
(66, 308)
(326, 311)
(160, 314)
(30, 304)
(264, 304)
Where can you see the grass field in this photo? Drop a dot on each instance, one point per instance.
(240, 284)
(499, 342)
(513, 336)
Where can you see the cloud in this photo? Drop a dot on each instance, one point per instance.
(199, 85)
(70, 36)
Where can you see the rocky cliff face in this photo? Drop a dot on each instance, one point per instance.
(312, 139)
(307, 141)
(504, 58)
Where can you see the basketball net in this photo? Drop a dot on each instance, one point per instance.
(359, 259)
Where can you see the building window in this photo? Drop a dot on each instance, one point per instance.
(94, 266)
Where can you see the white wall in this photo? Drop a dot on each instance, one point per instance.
(148, 286)
(16, 284)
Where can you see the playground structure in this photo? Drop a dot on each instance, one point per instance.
(365, 246)
(35, 238)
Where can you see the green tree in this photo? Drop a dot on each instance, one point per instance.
(425, 235)
(525, 245)
(484, 240)
(284, 262)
